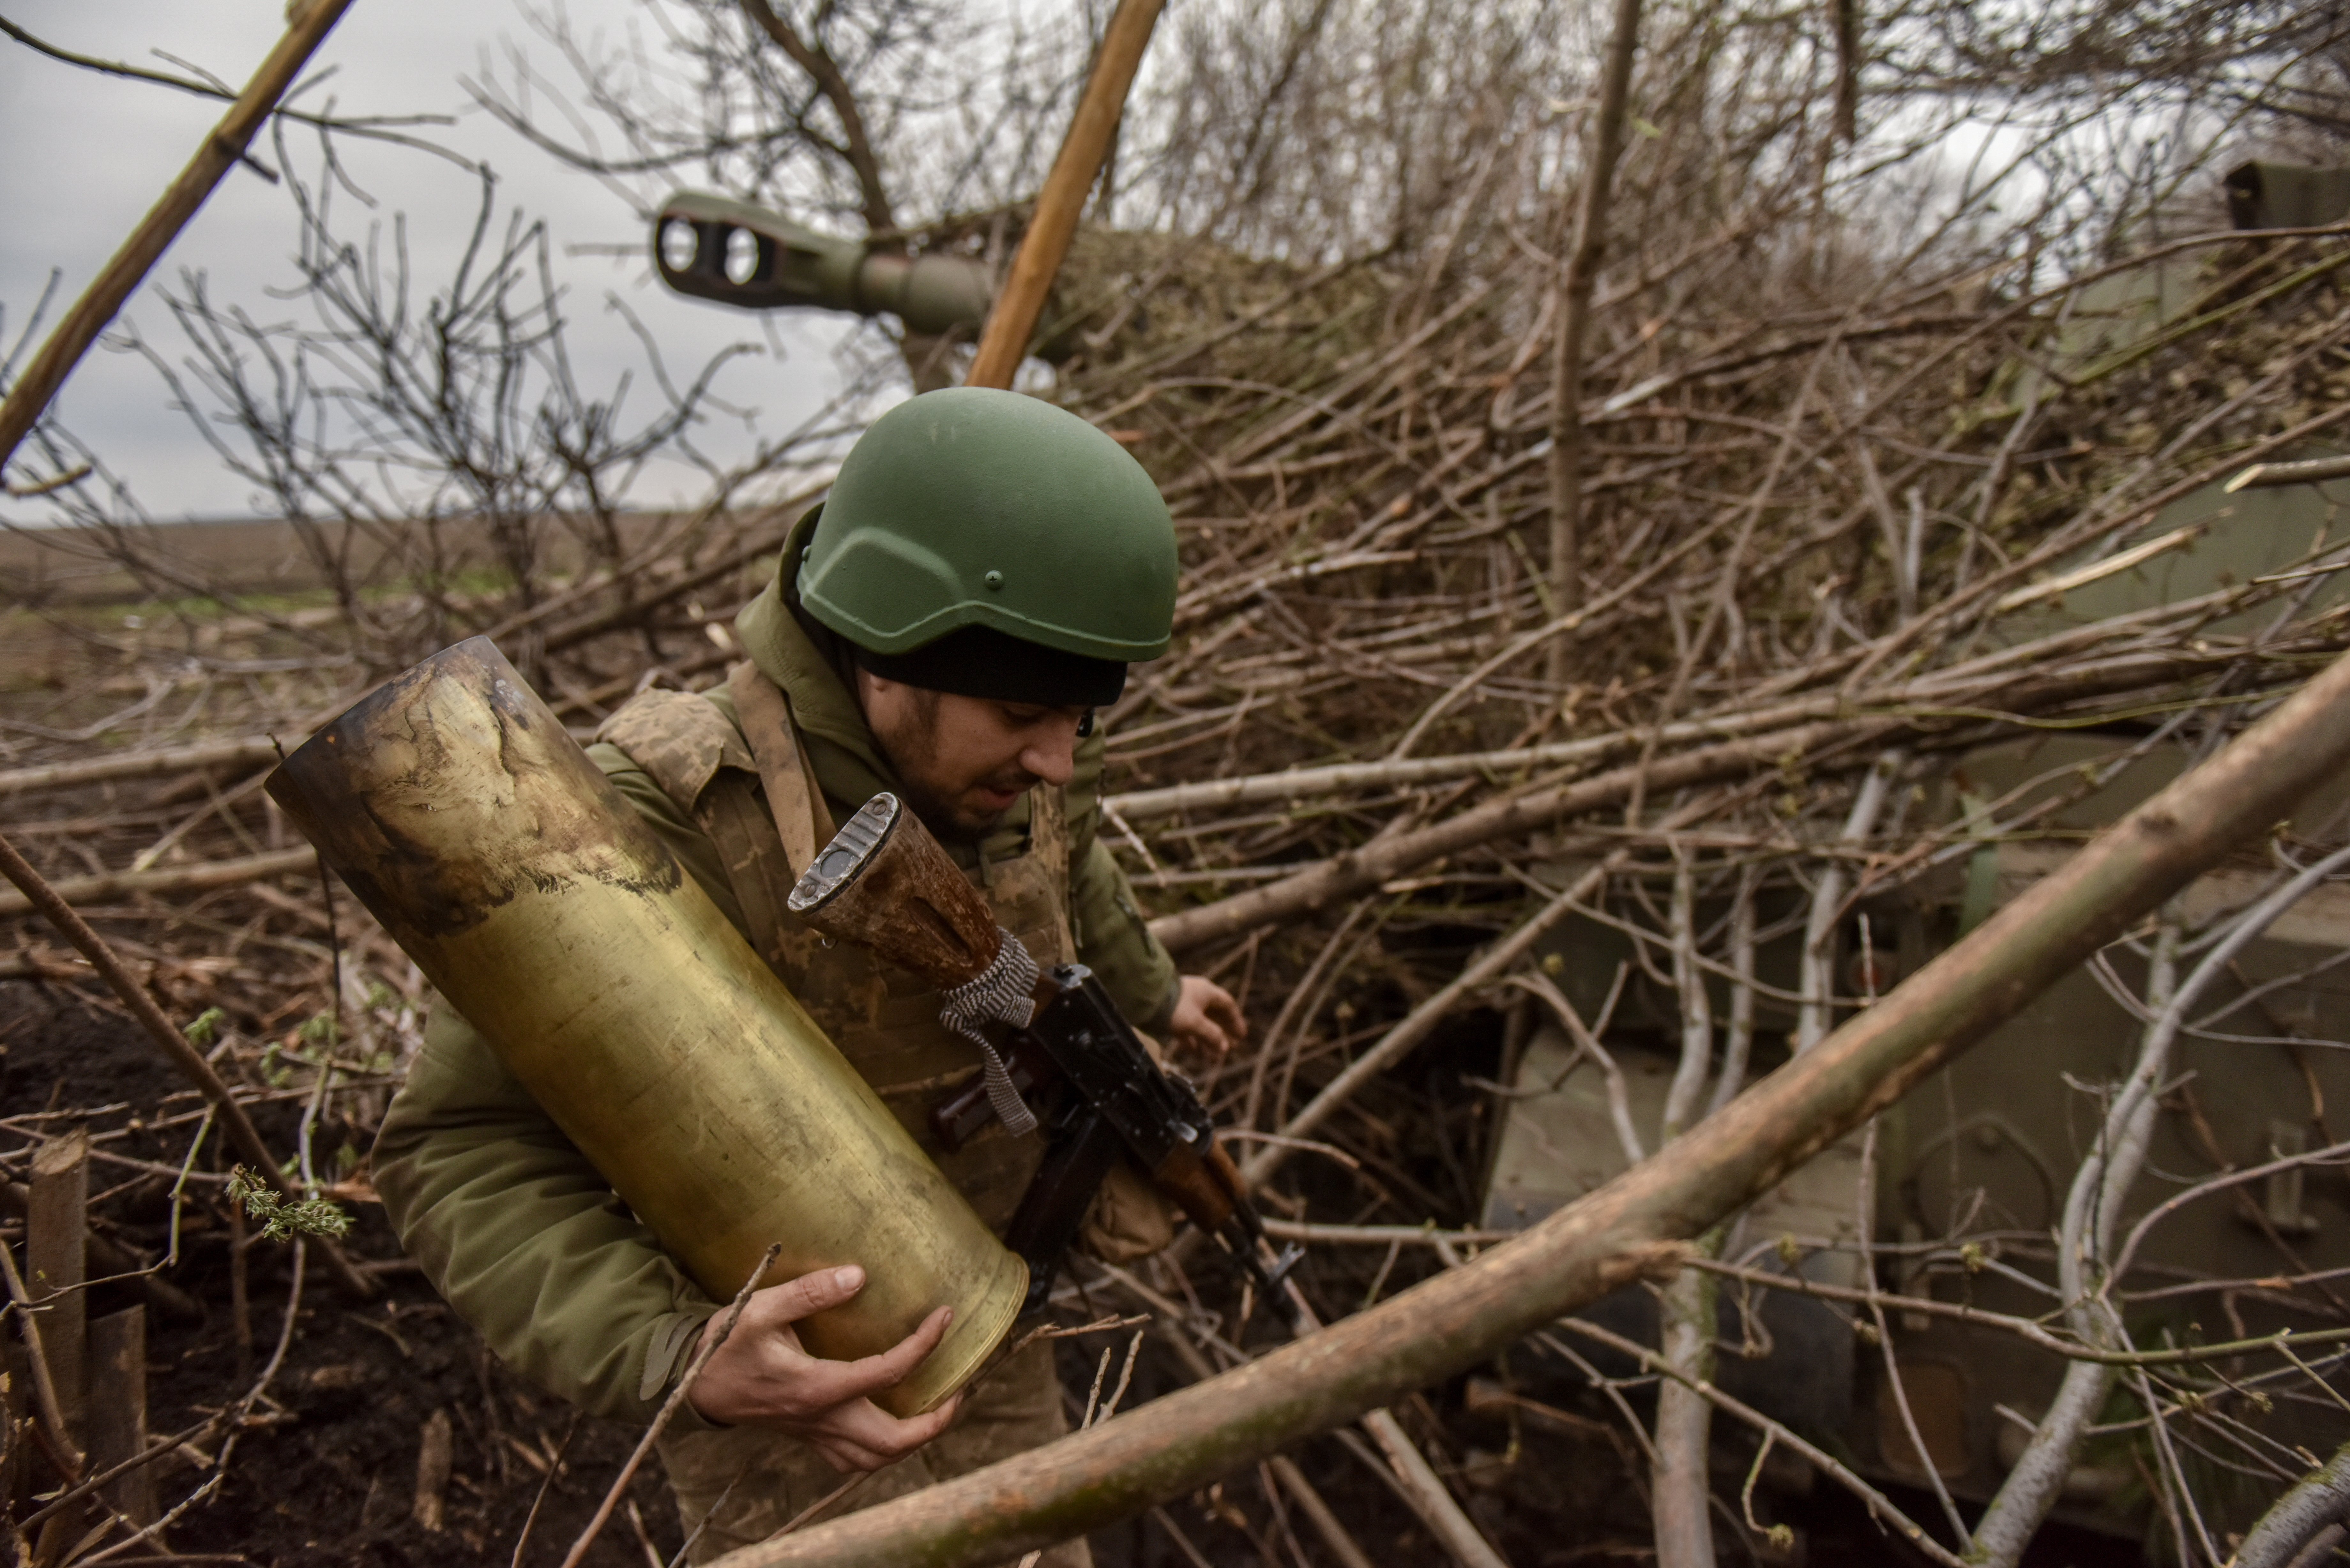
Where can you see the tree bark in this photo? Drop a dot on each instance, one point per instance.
(1817, 963)
(2321, 1502)
(1634, 1225)
(1681, 1490)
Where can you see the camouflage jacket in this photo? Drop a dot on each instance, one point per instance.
(511, 1222)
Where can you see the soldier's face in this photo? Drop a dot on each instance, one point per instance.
(965, 760)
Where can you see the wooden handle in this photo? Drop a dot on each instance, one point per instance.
(1228, 1175)
(1184, 1176)
(884, 882)
(1004, 340)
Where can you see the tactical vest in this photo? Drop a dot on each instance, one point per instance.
(754, 791)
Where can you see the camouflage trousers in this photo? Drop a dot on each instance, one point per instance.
(1016, 1409)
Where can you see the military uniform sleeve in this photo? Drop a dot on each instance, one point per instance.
(522, 1236)
(1115, 943)
(1113, 938)
(515, 1227)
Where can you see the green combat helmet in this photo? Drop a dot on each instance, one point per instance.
(975, 508)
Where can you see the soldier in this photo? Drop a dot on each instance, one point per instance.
(944, 626)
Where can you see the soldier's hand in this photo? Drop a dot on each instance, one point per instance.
(1206, 1018)
(762, 1377)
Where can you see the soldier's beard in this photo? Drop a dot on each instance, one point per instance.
(946, 806)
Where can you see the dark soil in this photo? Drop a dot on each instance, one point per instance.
(328, 1473)
(333, 1481)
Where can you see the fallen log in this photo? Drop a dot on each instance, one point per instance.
(1399, 773)
(1636, 1224)
(250, 752)
(201, 878)
(1916, 714)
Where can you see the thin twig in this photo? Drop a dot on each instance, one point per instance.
(668, 1409)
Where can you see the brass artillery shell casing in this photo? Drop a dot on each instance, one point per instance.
(546, 911)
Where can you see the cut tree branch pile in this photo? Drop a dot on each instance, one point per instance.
(1632, 1228)
(1860, 485)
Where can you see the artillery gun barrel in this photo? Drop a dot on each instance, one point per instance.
(736, 252)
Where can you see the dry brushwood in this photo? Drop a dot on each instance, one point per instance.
(1871, 463)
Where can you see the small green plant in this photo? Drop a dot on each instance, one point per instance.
(281, 1219)
(205, 1028)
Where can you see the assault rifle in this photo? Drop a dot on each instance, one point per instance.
(1054, 1034)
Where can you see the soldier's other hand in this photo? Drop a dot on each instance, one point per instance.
(1206, 1017)
(761, 1377)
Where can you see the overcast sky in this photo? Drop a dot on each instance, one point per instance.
(87, 155)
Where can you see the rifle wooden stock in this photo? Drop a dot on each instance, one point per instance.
(884, 882)
(1193, 1183)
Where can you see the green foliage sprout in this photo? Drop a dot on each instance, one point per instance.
(205, 1028)
(280, 1220)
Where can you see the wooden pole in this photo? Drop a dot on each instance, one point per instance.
(37, 1366)
(1004, 340)
(56, 1228)
(1635, 1225)
(117, 1412)
(310, 21)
